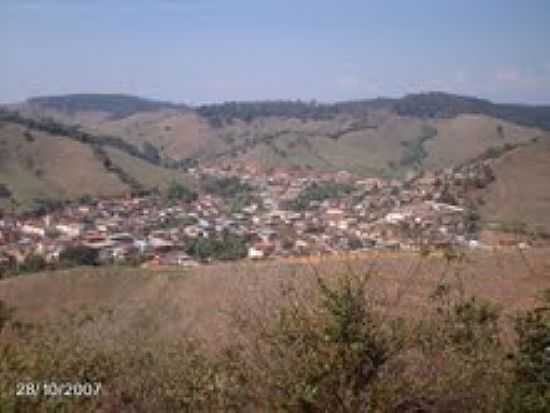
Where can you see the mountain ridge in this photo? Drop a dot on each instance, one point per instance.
(430, 104)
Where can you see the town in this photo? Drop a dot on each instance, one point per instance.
(247, 214)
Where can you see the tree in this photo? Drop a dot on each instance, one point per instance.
(4, 191)
(177, 191)
(33, 263)
(151, 153)
(227, 248)
(79, 255)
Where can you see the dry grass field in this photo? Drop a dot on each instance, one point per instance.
(438, 333)
(172, 302)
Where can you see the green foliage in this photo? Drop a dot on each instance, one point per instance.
(86, 199)
(179, 192)
(117, 105)
(6, 314)
(218, 114)
(151, 153)
(226, 248)
(243, 199)
(530, 391)
(79, 255)
(324, 352)
(320, 192)
(415, 152)
(32, 263)
(43, 206)
(445, 105)
(227, 187)
(4, 191)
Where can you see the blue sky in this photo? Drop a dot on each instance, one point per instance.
(197, 51)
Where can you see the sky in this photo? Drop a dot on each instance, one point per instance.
(203, 51)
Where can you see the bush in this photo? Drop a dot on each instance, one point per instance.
(226, 187)
(79, 255)
(227, 248)
(151, 153)
(179, 192)
(4, 191)
(28, 136)
(33, 263)
(319, 192)
(530, 391)
(150, 377)
(325, 351)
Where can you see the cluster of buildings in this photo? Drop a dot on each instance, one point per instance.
(427, 210)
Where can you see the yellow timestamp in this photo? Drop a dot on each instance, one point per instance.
(54, 389)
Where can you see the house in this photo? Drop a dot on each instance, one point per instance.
(69, 230)
(29, 229)
(255, 254)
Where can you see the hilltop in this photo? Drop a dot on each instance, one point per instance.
(115, 105)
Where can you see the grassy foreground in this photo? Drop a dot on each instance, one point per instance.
(373, 335)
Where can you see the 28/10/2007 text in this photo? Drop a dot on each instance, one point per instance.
(53, 389)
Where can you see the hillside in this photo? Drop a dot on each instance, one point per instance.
(37, 165)
(378, 137)
(176, 135)
(519, 195)
(172, 301)
(398, 330)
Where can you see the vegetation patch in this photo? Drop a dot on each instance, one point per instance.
(179, 192)
(4, 191)
(415, 153)
(226, 187)
(320, 192)
(328, 347)
(227, 247)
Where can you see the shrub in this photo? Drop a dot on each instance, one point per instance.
(151, 153)
(324, 352)
(33, 263)
(79, 255)
(4, 191)
(177, 191)
(227, 248)
(530, 391)
(320, 192)
(227, 187)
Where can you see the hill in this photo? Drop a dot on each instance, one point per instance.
(115, 105)
(424, 105)
(37, 165)
(519, 198)
(381, 137)
(377, 137)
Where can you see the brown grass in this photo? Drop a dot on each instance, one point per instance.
(176, 302)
